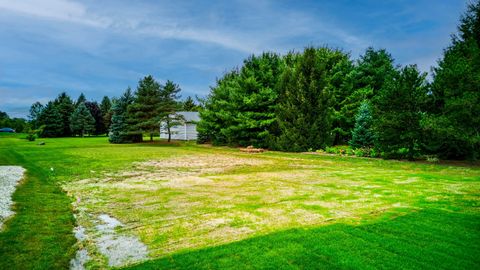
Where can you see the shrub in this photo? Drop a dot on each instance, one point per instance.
(360, 152)
(331, 150)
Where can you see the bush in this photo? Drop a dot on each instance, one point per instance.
(330, 150)
(339, 150)
(374, 153)
(31, 137)
(361, 152)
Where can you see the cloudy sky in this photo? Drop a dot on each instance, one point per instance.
(101, 47)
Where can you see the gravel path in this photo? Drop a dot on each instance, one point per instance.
(9, 178)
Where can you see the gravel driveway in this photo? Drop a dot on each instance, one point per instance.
(9, 178)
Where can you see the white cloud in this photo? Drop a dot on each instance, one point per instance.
(251, 39)
(59, 10)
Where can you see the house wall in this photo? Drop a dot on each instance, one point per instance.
(187, 131)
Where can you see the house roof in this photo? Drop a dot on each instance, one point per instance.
(190, 116)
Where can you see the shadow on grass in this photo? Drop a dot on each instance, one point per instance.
(429, 239)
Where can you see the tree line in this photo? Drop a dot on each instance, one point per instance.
(124, 119)
(320, 97)
(18, 124)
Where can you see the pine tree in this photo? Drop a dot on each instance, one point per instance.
(118, 127)
(216, 114)
(362, 134)
(169, 121)
(144, 112)
(397, 113)
(168, 98)
(304, 112)
(106, 109)
(82, 121)
(118, 132)
(65, 107)
(96, 112)
(189, 105)
(81, 99)
(35, 112)
(363, 82)
(51, 119)
(453, 122)
(241, 107)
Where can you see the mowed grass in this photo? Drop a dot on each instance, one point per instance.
(209, 207)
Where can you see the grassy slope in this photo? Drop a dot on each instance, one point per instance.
(429, 239)
(39, 236)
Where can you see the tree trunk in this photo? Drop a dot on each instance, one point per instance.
(82, 133)
(169, 133)
(151, 136)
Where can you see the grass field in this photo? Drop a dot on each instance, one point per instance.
(211, 207)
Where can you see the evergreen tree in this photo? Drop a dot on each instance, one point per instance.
(241, 108)
(168, 98)
(397, 113)
(82, 121)
(144, 113)
(35, 111)
(96, 112)
(453, 121)
(362, 134)
(189, 105)
(216, 114)
(106, 109)
(363, 82)
(304, 111)
(65, 108)
(51, 118)
(81, 99)
(118, 132)
(169, 121)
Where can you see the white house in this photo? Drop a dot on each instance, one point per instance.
(187, 130)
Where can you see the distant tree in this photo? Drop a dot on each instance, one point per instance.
(397, 113)
(81, 99)
(118, 132)
(35, 111)
(18, 124)
(217, 112)
(189, 105)
(52, 121)
(144, 113)
(65, 108)
(241, 107)
(170, 121)
(96, 112)
(304, 111)
(362, 134)
(168, 98)
(453, 122)
(106, 109)
(363, 82)
(82, 121)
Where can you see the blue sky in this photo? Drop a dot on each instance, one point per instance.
(101, 47)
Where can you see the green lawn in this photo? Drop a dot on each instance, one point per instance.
(212, 207)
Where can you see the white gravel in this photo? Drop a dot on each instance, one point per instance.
(9, 178)
(78, 263)
(119, 249)
(81, 257)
